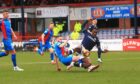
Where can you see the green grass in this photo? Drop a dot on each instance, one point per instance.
(117, 68)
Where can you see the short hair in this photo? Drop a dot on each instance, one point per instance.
(94, 18)
(51, 23)
(5, 10)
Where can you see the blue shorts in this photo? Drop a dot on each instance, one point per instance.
(8, 45)
(45, 47)
(66, 60)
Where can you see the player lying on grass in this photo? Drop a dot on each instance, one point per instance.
(7, 32)
(44, 42)
(69, 60)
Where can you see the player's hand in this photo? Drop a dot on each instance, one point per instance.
(105, 51)
(58, 69)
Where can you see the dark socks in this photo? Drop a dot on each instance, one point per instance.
(52, 56)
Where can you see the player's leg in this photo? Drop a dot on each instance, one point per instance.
(80, 50)
(79, 63)
(74, 60)
(49, 47)
(77, 49)
(11, 50)
(87, 64)
(2, 54)
(99, 55)
(13, 58)
(52, 55)
(40, 49)
(85, 52)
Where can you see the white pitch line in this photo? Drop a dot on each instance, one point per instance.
(122, 59)
(31, 63)
(36, 63)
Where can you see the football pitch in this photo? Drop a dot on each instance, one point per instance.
(117, 68)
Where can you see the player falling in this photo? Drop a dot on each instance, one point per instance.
(91, 36)
(44, 42)
(69, 60)
(90, 40)
(7, 32)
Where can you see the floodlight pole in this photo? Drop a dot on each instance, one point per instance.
(22, 18)
(135, 18)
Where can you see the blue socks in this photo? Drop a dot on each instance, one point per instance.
(13, 58)
(3, 54)
(52, 56)
(39, 51)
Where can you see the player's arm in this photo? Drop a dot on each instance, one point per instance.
(85, 23)
(57, 64)
(65, 43)
(13, 33)
(42, 38)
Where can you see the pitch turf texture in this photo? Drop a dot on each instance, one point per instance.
(117, 68)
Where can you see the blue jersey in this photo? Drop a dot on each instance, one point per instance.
(7, 34)
(6, 29)
(48, 35)
(90, 41)
(66, 60)
(59, 51)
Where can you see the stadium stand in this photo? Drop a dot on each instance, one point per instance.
(48, 2)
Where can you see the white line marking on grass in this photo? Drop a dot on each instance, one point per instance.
(36, 63)
(28, 63)
(32, 63)
(122, 59)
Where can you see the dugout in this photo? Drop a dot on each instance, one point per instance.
(58, 15)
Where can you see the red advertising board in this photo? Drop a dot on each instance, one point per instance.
(131, 44)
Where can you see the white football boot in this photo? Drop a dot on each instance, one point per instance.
(18, 69)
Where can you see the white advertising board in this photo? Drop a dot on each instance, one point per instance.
(80, 13)
(111, 45)
(49, 12)
(14, 15)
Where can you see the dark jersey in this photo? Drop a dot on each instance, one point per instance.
(90, 41)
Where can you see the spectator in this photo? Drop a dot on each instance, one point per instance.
(43, 2)
(60, 26)
(8, 2)
(75, 35)
(56, 31)
(77, 26)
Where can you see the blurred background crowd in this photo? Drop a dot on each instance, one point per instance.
(45, 2)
